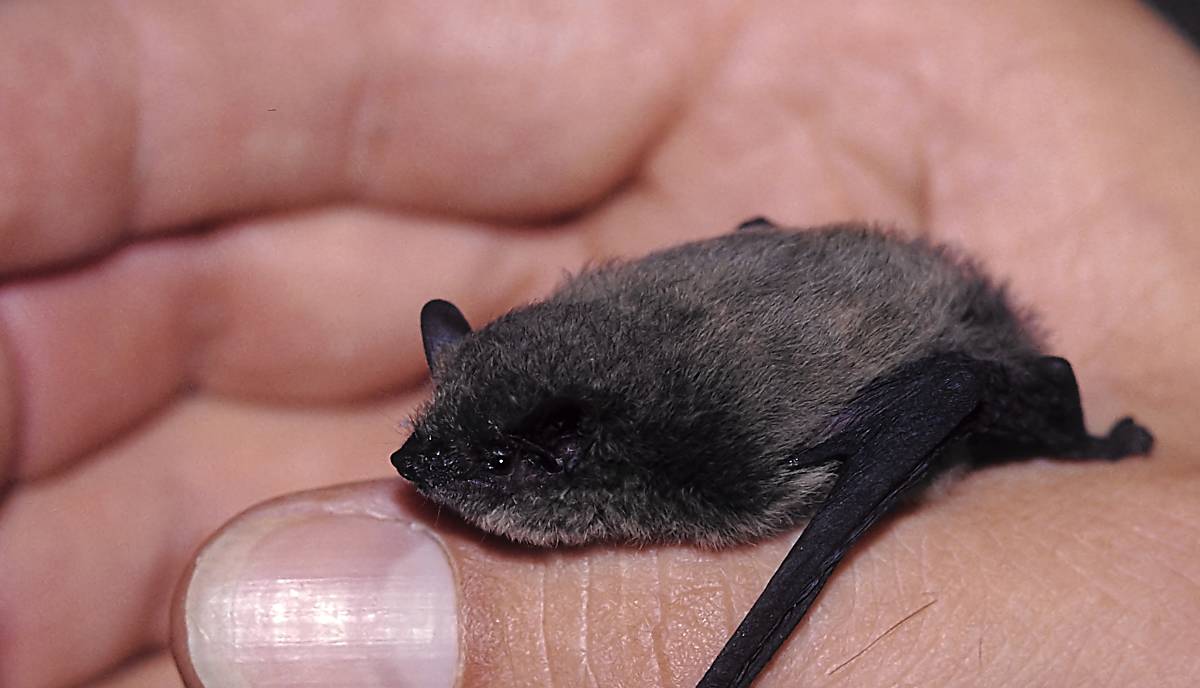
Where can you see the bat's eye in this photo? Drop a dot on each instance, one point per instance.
(500, 462)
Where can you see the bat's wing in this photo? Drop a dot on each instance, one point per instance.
(887, 439)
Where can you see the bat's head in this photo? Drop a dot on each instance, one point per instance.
(548, 427)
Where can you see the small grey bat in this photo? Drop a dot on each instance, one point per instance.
(729, 389)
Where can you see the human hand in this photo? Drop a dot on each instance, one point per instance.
(345, 163)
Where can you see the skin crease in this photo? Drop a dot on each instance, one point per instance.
(346, 164)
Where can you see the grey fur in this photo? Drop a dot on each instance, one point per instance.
(667, 399)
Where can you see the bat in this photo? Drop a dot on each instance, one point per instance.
(729, 389)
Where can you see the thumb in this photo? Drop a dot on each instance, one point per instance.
(364, 585)
(1004, 575)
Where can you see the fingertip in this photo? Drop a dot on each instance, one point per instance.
(334, 587)
(179, 631)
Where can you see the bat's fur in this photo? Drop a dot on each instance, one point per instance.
(668, 398)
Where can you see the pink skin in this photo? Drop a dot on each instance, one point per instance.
(348, 163)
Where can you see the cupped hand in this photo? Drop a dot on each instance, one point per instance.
(220, 219)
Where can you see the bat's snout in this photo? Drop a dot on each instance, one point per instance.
(404, 463)
(426, 463)
(414, 462)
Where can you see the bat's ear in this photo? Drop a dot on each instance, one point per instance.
(759, 222)
(442, 327)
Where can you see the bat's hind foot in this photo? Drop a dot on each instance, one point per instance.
(1044, 418)
(1126, 438)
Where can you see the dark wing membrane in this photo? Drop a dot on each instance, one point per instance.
(895, 430)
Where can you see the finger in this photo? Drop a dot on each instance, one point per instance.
(336, 294)
(132, 117)
(91, 555)
(363, 585)
(313, 308)
(399, 621)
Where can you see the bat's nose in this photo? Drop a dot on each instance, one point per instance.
(405, 463)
